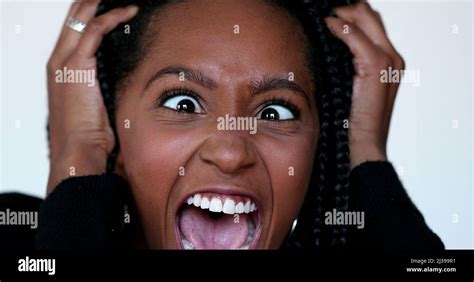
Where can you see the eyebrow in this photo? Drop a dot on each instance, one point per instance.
(266, 84)
(194, 76)
(277, 83)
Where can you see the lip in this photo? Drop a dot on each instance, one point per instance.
(228, 191)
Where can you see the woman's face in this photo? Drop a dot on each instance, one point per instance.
(195, 178)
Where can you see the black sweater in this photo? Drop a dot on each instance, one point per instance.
(88, 213)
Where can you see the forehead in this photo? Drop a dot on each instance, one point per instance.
(230, 36)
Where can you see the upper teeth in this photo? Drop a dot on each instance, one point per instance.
(214, 204)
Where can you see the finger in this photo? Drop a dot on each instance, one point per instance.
(70, 38)
(359, 44)
(99, 27)
(369, 21)
(392, 94)
(369, 60)
(379, 19)
(72, 9)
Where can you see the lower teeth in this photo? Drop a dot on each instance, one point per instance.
(249, 240)
(187, 245)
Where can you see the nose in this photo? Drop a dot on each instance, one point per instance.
(229, 151)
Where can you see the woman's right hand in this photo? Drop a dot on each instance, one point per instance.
(80, 134)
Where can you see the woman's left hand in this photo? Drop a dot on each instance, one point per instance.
(362, 30)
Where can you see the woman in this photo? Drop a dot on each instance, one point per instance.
(176, 179)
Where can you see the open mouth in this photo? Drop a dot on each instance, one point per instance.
(216, 221)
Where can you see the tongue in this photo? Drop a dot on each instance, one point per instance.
(206, 232)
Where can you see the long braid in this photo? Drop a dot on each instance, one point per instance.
(342, 106)
(107, 91)
(340, 72)
(323, 180)
(331, 171)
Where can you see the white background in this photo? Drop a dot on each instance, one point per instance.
(434, 159)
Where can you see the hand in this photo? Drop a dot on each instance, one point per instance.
(362, 30)
(80, 134)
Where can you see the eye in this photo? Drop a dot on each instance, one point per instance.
(276, 112)
(183, 103)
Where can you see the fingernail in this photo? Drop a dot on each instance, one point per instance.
(327, 20)
(133, 10)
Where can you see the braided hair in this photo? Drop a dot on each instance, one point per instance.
(331, 65)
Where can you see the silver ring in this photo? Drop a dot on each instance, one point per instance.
(76, 24)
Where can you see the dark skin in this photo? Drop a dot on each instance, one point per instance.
(161, 142)
(235, 161)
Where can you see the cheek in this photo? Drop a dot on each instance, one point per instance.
(152, 160)
(290, 168)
